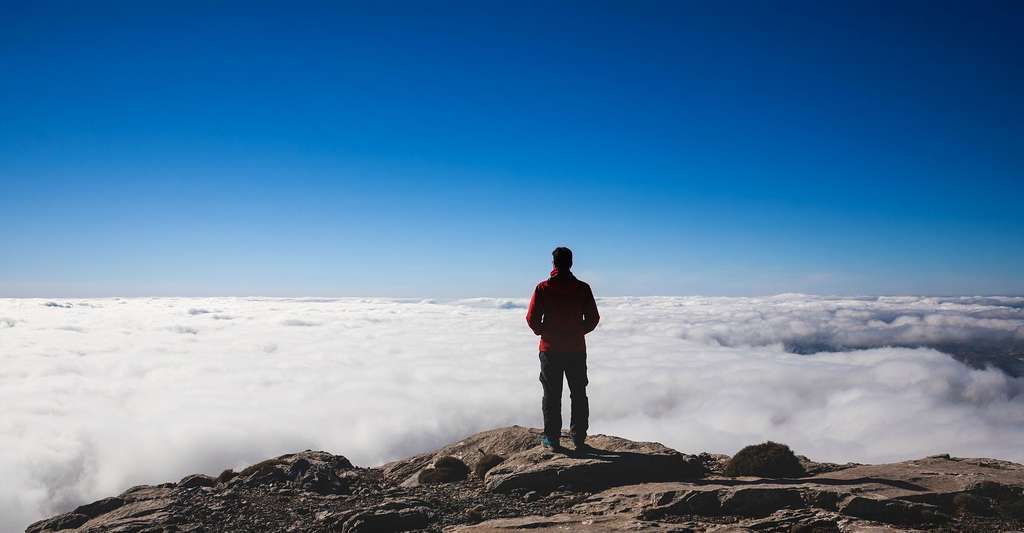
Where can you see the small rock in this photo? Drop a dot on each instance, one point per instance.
(298, 468)
(99, 507)
(445, 470)
(317, 477)
(196, 480)
(476, 514)
(814, 528)
(265, 473)
(531, 496)
(486, 462)
(226, 476)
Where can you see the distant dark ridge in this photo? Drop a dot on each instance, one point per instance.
(1006, 355)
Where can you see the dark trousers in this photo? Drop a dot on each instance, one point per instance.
(553, 365)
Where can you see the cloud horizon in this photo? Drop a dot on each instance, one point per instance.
(107, 393)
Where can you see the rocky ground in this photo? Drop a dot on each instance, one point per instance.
(501, 480)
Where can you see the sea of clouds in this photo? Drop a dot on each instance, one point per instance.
(101, 394)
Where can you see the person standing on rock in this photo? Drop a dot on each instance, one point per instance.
(563, 310)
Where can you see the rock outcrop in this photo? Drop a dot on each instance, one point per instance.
(605, 462)
(502, 480)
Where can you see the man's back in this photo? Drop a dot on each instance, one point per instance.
(562, 310)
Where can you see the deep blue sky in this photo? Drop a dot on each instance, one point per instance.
(443, 149)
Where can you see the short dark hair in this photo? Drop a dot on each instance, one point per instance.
(562, 257)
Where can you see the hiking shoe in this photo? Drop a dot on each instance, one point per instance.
(550, 443)
(580, 443)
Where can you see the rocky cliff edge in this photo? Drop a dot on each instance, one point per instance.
(502, 480)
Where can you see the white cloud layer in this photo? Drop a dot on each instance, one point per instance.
(102, 394)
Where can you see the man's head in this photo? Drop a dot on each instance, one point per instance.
(562, 258)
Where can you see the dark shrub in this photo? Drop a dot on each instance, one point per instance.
(769, 459)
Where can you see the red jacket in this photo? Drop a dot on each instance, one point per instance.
(562, 311)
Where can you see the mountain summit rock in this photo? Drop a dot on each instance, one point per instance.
(613, 485)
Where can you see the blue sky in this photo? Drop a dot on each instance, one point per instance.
(443, 149)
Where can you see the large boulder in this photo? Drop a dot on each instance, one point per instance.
(606, 462)
(154, 507)
(446, 469)
(471, 450)
(135, 509)
(315, 471)
(522, 463)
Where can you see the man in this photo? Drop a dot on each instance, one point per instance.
(562, 311)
